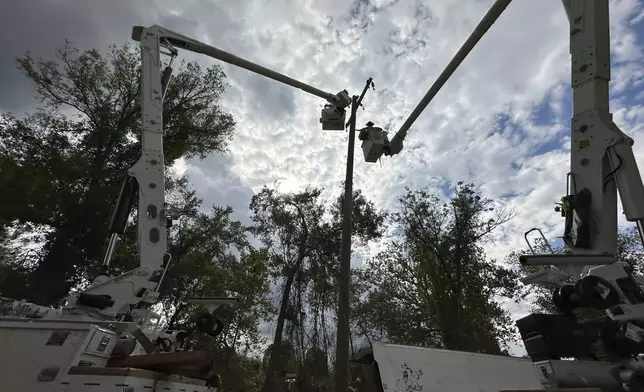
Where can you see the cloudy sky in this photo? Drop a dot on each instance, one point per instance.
(502, 121)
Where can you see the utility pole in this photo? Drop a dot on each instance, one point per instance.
(342, 349)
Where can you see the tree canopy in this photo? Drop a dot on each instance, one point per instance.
(61, 167)
(305, 259)
(434, 285)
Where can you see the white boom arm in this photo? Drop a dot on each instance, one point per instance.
(601, 157)
(375, 142)
(602, 160)
(396, 143)
(156, 35)
(110, 297)
(149, 169)
(601, 163)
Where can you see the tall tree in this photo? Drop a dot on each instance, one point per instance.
(434, 284)
(61, 167)
(284, 223)
(303, 233)
(324, 271)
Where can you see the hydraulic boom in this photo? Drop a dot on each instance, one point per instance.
(600, 302)
(108, 336)
(118, 296)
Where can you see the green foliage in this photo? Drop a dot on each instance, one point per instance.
(630, 250)
(434, 285)
(367, 226)
(211, 256)
(241, 373)
(61, 167)
(316, 363)
(200, 248)
(284, 224)
(287, 362)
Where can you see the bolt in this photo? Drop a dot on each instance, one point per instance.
(585, 162)
(583, 68)
(152, 185)
(153, 161)
(583, 128)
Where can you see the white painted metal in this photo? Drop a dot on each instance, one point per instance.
(578, 374)
(29, 361)
(452, 371)
(127, 380)
(600, 151)
(29, 364)
(179, 41)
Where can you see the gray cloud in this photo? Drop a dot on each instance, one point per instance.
(218, 185)
(40, 26)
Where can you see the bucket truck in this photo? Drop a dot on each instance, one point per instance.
(104, 338)
(601, 304)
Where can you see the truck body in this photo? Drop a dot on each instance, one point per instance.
(399, 368)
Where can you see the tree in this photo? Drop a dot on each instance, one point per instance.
(283, 223)
(434, 285)
(324, 270)
(382, 313)
(241, 373)
(14, 261)
(367, 226)
(287, 363)
(629, 250)
(305, 252)
(61, 167)
(211, 256)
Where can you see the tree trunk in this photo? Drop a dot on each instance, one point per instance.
(76, 249)
(51, 281)
(270, 379)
